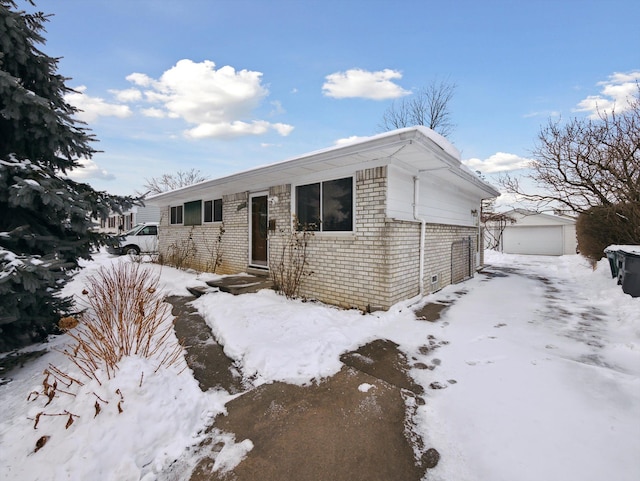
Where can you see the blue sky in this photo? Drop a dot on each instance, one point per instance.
(222, 86)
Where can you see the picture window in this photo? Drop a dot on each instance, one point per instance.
(325, 206)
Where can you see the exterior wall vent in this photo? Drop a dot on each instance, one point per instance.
(435, 282)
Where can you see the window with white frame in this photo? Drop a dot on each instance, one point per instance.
(325, 206)
(213, 210)
(175, 216)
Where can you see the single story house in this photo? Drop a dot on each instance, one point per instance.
(395, 215)
(118, 223)
(537, 234)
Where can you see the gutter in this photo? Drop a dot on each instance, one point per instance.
(423, 223)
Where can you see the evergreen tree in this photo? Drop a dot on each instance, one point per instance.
(45, 217)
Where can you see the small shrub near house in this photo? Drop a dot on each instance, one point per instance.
(292, 264)
(181, 254)
(213, 248)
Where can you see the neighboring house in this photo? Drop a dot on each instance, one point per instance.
(397, 216)
(119, 223)
(537, 234)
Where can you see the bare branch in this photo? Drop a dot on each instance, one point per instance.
(167, 182)
(429, 106)
(586, 163)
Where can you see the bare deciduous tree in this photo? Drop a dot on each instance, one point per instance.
(429, 106)
(167, 182)
(586, 163)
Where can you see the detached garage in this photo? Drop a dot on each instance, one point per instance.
(539, 234)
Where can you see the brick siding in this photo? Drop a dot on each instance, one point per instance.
(371, 268)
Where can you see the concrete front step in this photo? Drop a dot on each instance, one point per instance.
(198, 291)
(241, 284)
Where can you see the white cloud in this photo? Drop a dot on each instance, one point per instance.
(89, 170)
(153, 112)
(507, 201)
(361, 83)
(616, 92)
(219, 102)
(93, 107)
(127, 95)
(237, 128)
(348, 140)
(544, 113)
(498, 162)
(140, 79)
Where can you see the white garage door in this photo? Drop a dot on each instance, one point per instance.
(538, 240)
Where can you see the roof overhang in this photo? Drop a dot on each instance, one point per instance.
(418, 150)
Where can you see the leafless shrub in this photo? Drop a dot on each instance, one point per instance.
(181, 254)
(126, 316)
(214, 249)
(292, 264)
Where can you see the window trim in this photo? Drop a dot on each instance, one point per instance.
(324, 233)
(213, 211)
(181, 207)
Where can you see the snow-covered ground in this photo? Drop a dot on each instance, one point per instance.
(547, 364)
(538, 360)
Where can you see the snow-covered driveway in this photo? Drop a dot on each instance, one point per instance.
(542, 376)
(539, 359)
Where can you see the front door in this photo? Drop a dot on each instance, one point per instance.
(258, 231)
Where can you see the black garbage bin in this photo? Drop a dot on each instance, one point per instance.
(629, 270)
(612, 256)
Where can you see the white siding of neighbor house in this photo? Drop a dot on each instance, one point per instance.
(136, 215)
(439, 202)
(148, 213)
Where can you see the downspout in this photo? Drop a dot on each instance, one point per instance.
(423, 222)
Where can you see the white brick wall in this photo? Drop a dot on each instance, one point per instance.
(371, 268)
(203, 238)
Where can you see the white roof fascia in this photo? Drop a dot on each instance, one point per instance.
(389, 145)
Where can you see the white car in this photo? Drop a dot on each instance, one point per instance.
(142, 238)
